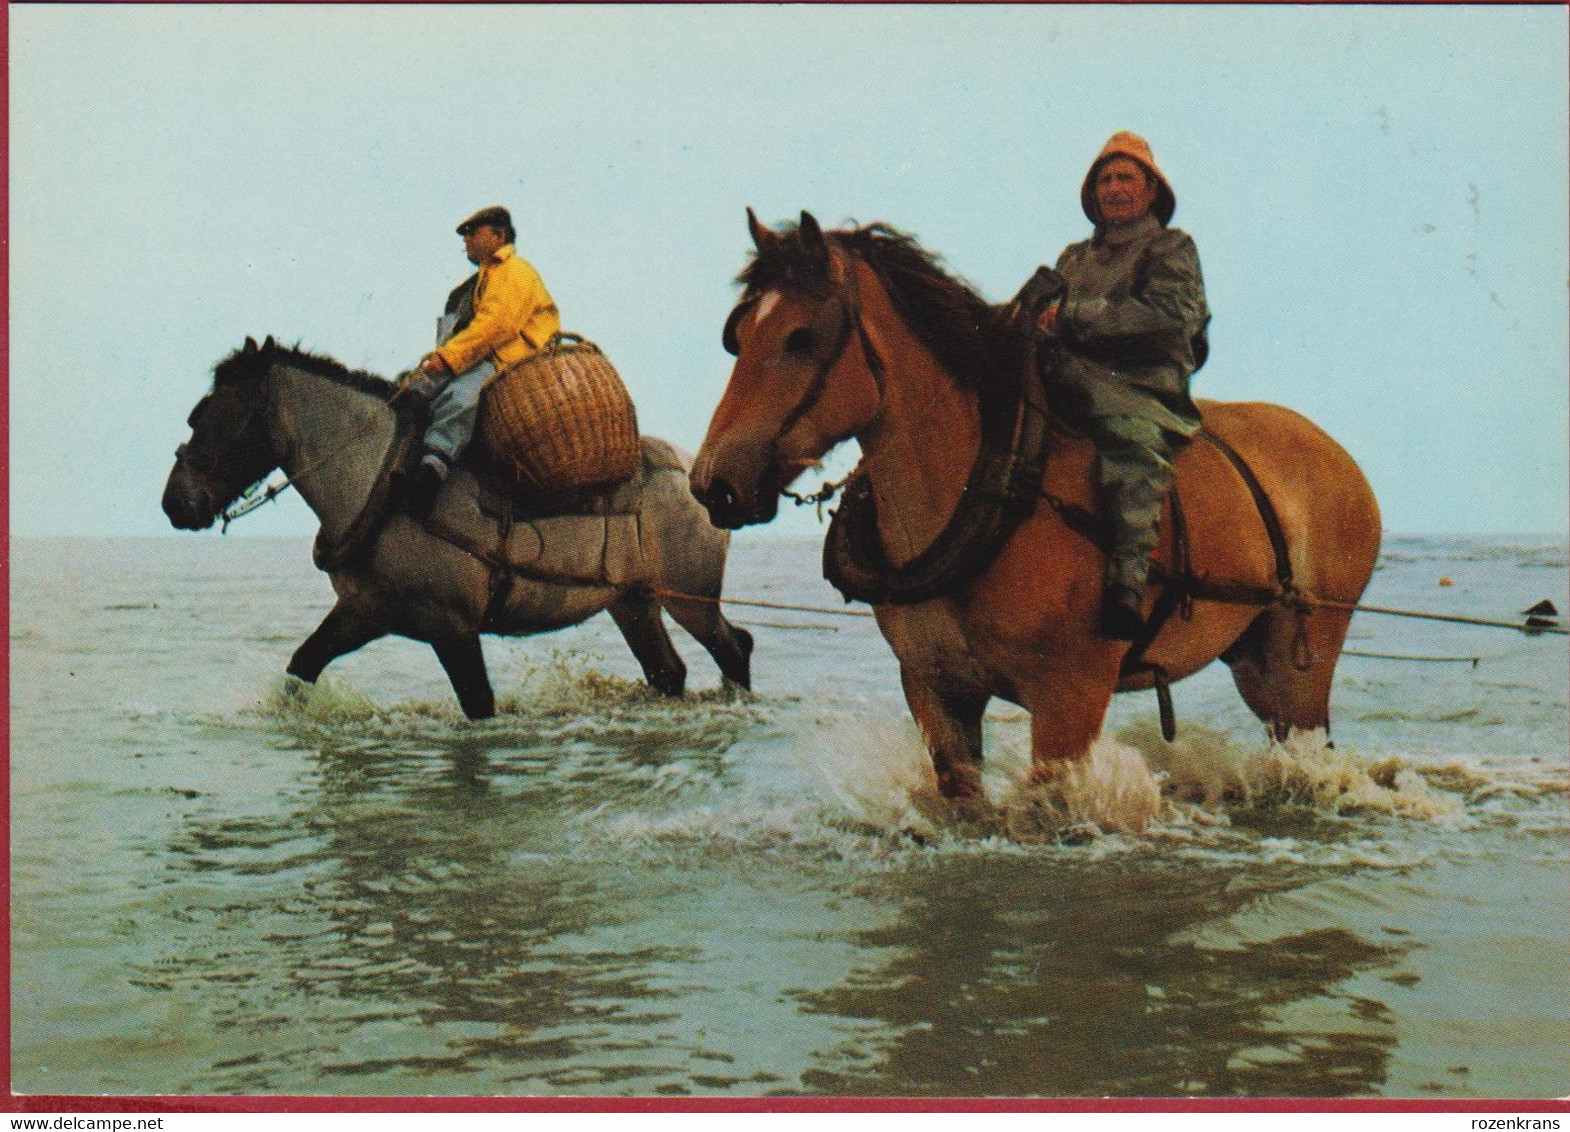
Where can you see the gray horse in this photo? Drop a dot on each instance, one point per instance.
(482, 561)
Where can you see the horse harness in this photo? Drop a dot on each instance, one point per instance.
(1180, 584)
(502, 509)
(349, 548)
(507, 511)
(502, 574)
(1002, 491)
(329, 554)
(999, 495)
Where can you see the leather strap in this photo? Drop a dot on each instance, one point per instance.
(357, 537)
(1267, 510)
(1002, 492)
(1093, 528)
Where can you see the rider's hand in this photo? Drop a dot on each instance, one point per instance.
(434, 366)
(411, 387)
(1047, 324)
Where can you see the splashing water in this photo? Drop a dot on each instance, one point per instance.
(562, 689)
(1112, 790)
(877, 771)
(868, 768)
(327, 703)
(1305, 770)
(873, 768)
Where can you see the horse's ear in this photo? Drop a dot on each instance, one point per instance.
(812, 234)
(250, 344)
(760, 234)
(269, 346)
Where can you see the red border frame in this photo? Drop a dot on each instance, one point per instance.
(216, 1104)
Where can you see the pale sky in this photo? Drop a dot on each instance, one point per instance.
(1378, 194)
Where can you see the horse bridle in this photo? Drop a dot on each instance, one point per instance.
(182, 450)
(241, 503)
(848, 300)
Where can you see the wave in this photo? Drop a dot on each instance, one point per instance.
(729, 775)
(557, 699)
(1526, 553)
(1475, 717)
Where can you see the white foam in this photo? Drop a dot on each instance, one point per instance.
(735, 773)
(1305, 770)
(874, 767)
(876, 770)
(1111, 790)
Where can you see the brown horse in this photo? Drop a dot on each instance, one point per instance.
(859, 333)
(633, 551)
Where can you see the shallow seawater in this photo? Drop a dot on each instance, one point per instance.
(225, 883)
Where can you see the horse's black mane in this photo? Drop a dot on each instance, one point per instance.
(947, 314)
(250, 362)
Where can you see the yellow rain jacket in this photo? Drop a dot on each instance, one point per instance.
(514, 316)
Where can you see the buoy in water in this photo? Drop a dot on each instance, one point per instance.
(1543, 615)
(1447, 581)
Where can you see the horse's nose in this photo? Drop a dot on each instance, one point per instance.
(184, 513)
(722, 503)
(181, 514)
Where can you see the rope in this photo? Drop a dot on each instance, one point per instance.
(1349, 606)
(762, 605)
(1309, 601)
(824, 494)
(1405, 656)
(806, 627)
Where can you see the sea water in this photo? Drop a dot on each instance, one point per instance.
(225, 885)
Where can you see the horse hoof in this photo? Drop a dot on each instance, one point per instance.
(1081, 833)
(957, 786)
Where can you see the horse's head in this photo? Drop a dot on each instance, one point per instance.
(806, 376)
(229, 447)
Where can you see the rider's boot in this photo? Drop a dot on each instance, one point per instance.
(425, 484)
(1134, 473)
(1121, 616)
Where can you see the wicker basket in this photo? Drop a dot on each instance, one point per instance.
(561, 420)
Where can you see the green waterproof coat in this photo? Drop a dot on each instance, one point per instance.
(1131, 325)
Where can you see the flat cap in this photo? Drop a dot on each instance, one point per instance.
(495, 215)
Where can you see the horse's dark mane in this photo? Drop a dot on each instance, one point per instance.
(946, 313)
(248, 364)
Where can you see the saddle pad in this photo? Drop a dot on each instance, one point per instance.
(624, 498)
(591, 548)
(595, 538)
(595, 548)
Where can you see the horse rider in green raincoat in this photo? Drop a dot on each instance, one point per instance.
(1129, 332)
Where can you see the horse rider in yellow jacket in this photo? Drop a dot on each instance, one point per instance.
(494, 320)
